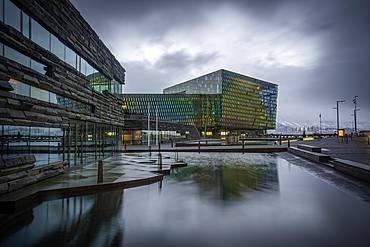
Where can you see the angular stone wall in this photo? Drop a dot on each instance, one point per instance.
(18, 172)
(65, 21)
(66, 81)
(26, 111)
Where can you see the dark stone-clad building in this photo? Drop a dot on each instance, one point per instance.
(58, 87)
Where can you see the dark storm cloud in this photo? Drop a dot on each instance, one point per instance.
(338, 28)
(182, 60)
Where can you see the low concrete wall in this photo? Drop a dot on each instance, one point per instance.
(309, 148)
(353, 168)
(317, 157)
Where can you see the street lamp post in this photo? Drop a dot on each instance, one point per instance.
(355, 117)
(320, 125)
(338, 115)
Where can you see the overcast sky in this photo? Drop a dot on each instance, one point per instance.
(317, 52)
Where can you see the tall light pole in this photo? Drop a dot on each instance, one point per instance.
(355, 102)
(338, 114)
(320, 124)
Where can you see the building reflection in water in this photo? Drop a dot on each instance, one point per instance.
(230, 176)
(78, 221)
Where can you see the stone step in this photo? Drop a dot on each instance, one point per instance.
(317, 157)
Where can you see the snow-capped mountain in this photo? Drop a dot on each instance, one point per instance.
(285, 126)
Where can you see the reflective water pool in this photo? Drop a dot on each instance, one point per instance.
(218, 200)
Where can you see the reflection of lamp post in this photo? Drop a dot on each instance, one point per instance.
(338, 114)
(205, 127)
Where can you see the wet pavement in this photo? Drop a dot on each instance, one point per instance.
(125, 170)
(219, 199)
(131, 170)
(357, 148)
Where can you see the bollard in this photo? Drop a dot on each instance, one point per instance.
(206, 143)
(160, 161)
(125, 146)
(150, 150)
(199, 145)
(280, 139)
(243, 143)
(171, 144)
(288, 143)
(159, 146)
(100, 172)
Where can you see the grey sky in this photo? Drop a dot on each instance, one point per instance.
(318, 52)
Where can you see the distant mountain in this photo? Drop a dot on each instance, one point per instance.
(285, 126)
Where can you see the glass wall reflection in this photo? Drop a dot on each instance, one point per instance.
(82, 143)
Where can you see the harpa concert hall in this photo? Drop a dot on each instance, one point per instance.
(221, 103)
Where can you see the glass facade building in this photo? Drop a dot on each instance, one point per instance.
(235, 103)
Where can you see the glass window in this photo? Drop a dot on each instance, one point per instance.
(12, 15)
(1, 49)
(20, 88)
(16, 56)
(40, 145)
(78, 63)
(39, 67)
(70, 57)
(57, 47)
(89, 71)
(83, 66)
(1, 10)
(56, 145)
(40, 94)
(53, 98)
(25, 25)
(40, 35)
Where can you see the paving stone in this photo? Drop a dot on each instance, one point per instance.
(28, 180)
(50, 173)
(40, 176)
(14, 185)
(8, 171)
(4, 187)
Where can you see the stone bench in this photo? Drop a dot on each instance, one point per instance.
(309, 148)
(353, 168)
(317, 157)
